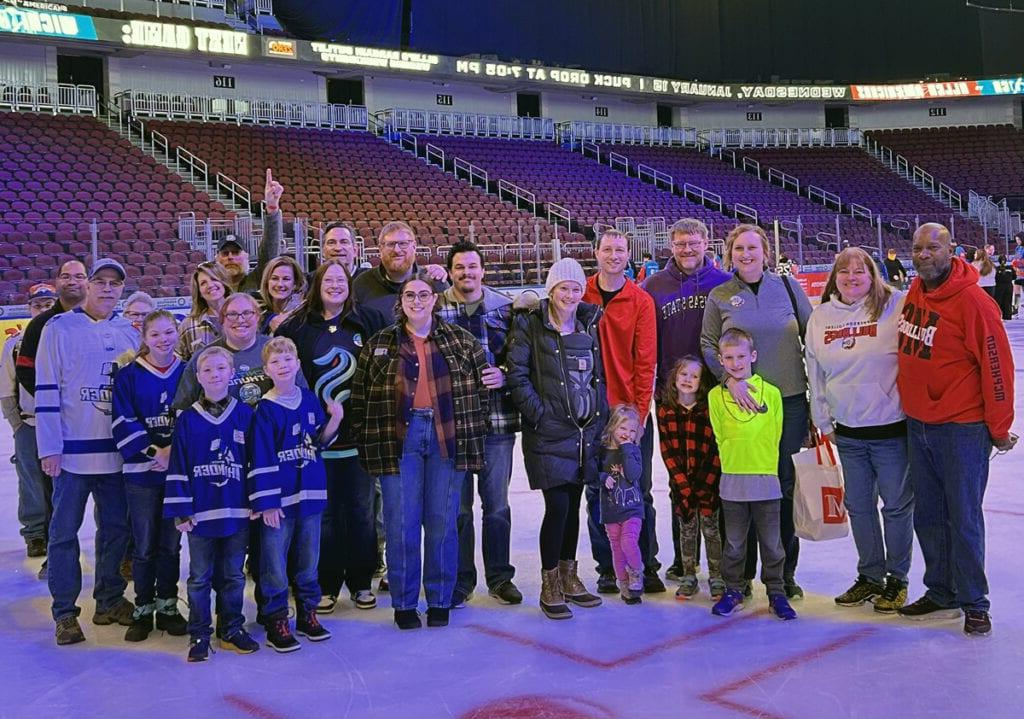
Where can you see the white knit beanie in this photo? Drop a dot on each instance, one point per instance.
(565, 270)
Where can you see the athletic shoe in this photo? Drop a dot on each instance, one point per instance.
(36, 547)
(459, 598)
(170, 621)
(507, 593)
(142, 625)
(69, 631)
(437, 616)
(687, 587)
(407, 619)
(363, 599)
(121, 613)
(977, 623)
(606, 584)
(893, 596)
(924, 609)
(653, 583)
(863, 590)
(779, 606)
(199, 649)
(280, 637)
(731, 601)
(309, 626)
(674, 573)
(240, 642)
(793, 590)
(717, 588)
(328, 602)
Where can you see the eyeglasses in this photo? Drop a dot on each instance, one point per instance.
(423, 296)
(686, 245)
(134, 315)
(235, 316)
(392, 246)
(114, 284)
(65, 277)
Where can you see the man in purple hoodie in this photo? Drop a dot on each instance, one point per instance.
(680, 291)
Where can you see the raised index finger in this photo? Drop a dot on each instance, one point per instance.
(270, 176)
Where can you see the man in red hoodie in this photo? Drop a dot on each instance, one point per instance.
(629, 348)
(956, 382)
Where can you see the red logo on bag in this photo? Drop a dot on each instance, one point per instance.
(832, 509)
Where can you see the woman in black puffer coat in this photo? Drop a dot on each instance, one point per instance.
(556, 379)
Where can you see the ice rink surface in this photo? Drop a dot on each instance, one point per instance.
(664, 658)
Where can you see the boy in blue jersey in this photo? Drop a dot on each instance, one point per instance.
(205, 494)
(288, 488)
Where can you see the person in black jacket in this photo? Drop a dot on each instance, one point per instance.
(329, 330)
(1005, 274)
(556, 378)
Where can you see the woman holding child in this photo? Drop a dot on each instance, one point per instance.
(851, 363)
(774, 311)
(419, 409)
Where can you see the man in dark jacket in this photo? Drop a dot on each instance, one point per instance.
(486, 314)
(378, 288)
(233, 257)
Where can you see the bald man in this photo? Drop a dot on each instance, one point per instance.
(956, 383)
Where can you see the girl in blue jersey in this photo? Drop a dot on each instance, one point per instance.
(143, 422)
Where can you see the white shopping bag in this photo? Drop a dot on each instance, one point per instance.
(818, 509)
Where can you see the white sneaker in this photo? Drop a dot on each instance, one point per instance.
(327, 604)
(364, 599)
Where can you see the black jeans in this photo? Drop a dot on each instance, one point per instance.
(560, 528)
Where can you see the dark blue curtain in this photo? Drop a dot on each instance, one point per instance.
(360, 22)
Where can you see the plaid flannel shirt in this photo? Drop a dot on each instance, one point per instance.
(490, 325)
(377, 403)
(194, 333)
(691, 456)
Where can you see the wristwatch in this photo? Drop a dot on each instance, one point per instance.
(150, 451)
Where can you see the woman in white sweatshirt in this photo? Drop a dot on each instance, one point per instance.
(851, 367)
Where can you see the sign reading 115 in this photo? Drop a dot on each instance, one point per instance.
(446, 100)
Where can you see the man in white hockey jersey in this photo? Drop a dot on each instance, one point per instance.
(75, 369)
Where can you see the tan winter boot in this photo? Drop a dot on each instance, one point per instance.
(572, 587)
(551, 601)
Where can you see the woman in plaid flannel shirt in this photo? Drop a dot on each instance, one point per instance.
(419, 410)
(691, 457)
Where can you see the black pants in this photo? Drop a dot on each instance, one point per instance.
(560, 529)
(1004, 298)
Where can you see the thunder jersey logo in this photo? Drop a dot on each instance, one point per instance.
(917, 330)
(341, 367)
(101, 397)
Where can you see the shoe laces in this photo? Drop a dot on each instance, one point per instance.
(281, 625)
(891, 591)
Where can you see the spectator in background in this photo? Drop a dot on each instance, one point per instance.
(629, 352)
(986, 272)
(235, 260)
(956, 381)
(1018, 282)
(34, 487)
(1004, 287)
(774, 311)
(281, 291)
(648, 267)
(136, 307)
(76, 365)
(210, 287)
(895, 272)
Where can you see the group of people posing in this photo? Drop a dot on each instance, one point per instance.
(267, 428)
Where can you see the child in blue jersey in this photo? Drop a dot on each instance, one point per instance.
(143, 422)
(205, 493)
(288, 488)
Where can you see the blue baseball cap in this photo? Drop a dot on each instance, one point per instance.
(107, 263)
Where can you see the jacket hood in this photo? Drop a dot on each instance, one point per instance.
(586, 313)
(961, 276)
(703, 271)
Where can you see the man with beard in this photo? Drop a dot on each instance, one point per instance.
(233, 257)
(378, 287)
(956, 382)
(486, 314)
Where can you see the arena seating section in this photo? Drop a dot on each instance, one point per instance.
(986, 159)
(60, 172)
(358, 177)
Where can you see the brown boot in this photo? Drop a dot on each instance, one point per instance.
(551, 601)
(572, 587)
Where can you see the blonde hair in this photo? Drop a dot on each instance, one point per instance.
(611, 233)
(689, 226)
(299, 279)
(278, 345)
(245, 297)
(621, 413)
(214, 272)
(393, 227)
(733, 336)
(880, 291)
(734, 235)
(210, 352)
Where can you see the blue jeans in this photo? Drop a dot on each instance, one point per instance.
(795, 425)
(949, 473)
(497, 516)
(874, 468)
(600, 548)
(216, 562)
(70, 493)
(156, 561)
(348, 531)
(297, 539)
(422, 498)
(35, 488)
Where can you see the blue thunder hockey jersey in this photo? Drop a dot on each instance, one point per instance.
(206, 476)
(75, 368)
(287, 471)
(142, 416)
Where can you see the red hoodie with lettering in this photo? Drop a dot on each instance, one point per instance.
(954, 357)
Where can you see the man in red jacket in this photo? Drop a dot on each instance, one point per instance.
(629, 348)
(956, 382)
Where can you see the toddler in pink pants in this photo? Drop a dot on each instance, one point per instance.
(622, 504)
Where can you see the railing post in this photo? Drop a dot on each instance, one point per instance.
(839, 237)
(94, 240)
(800, 240)
(536, 252)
